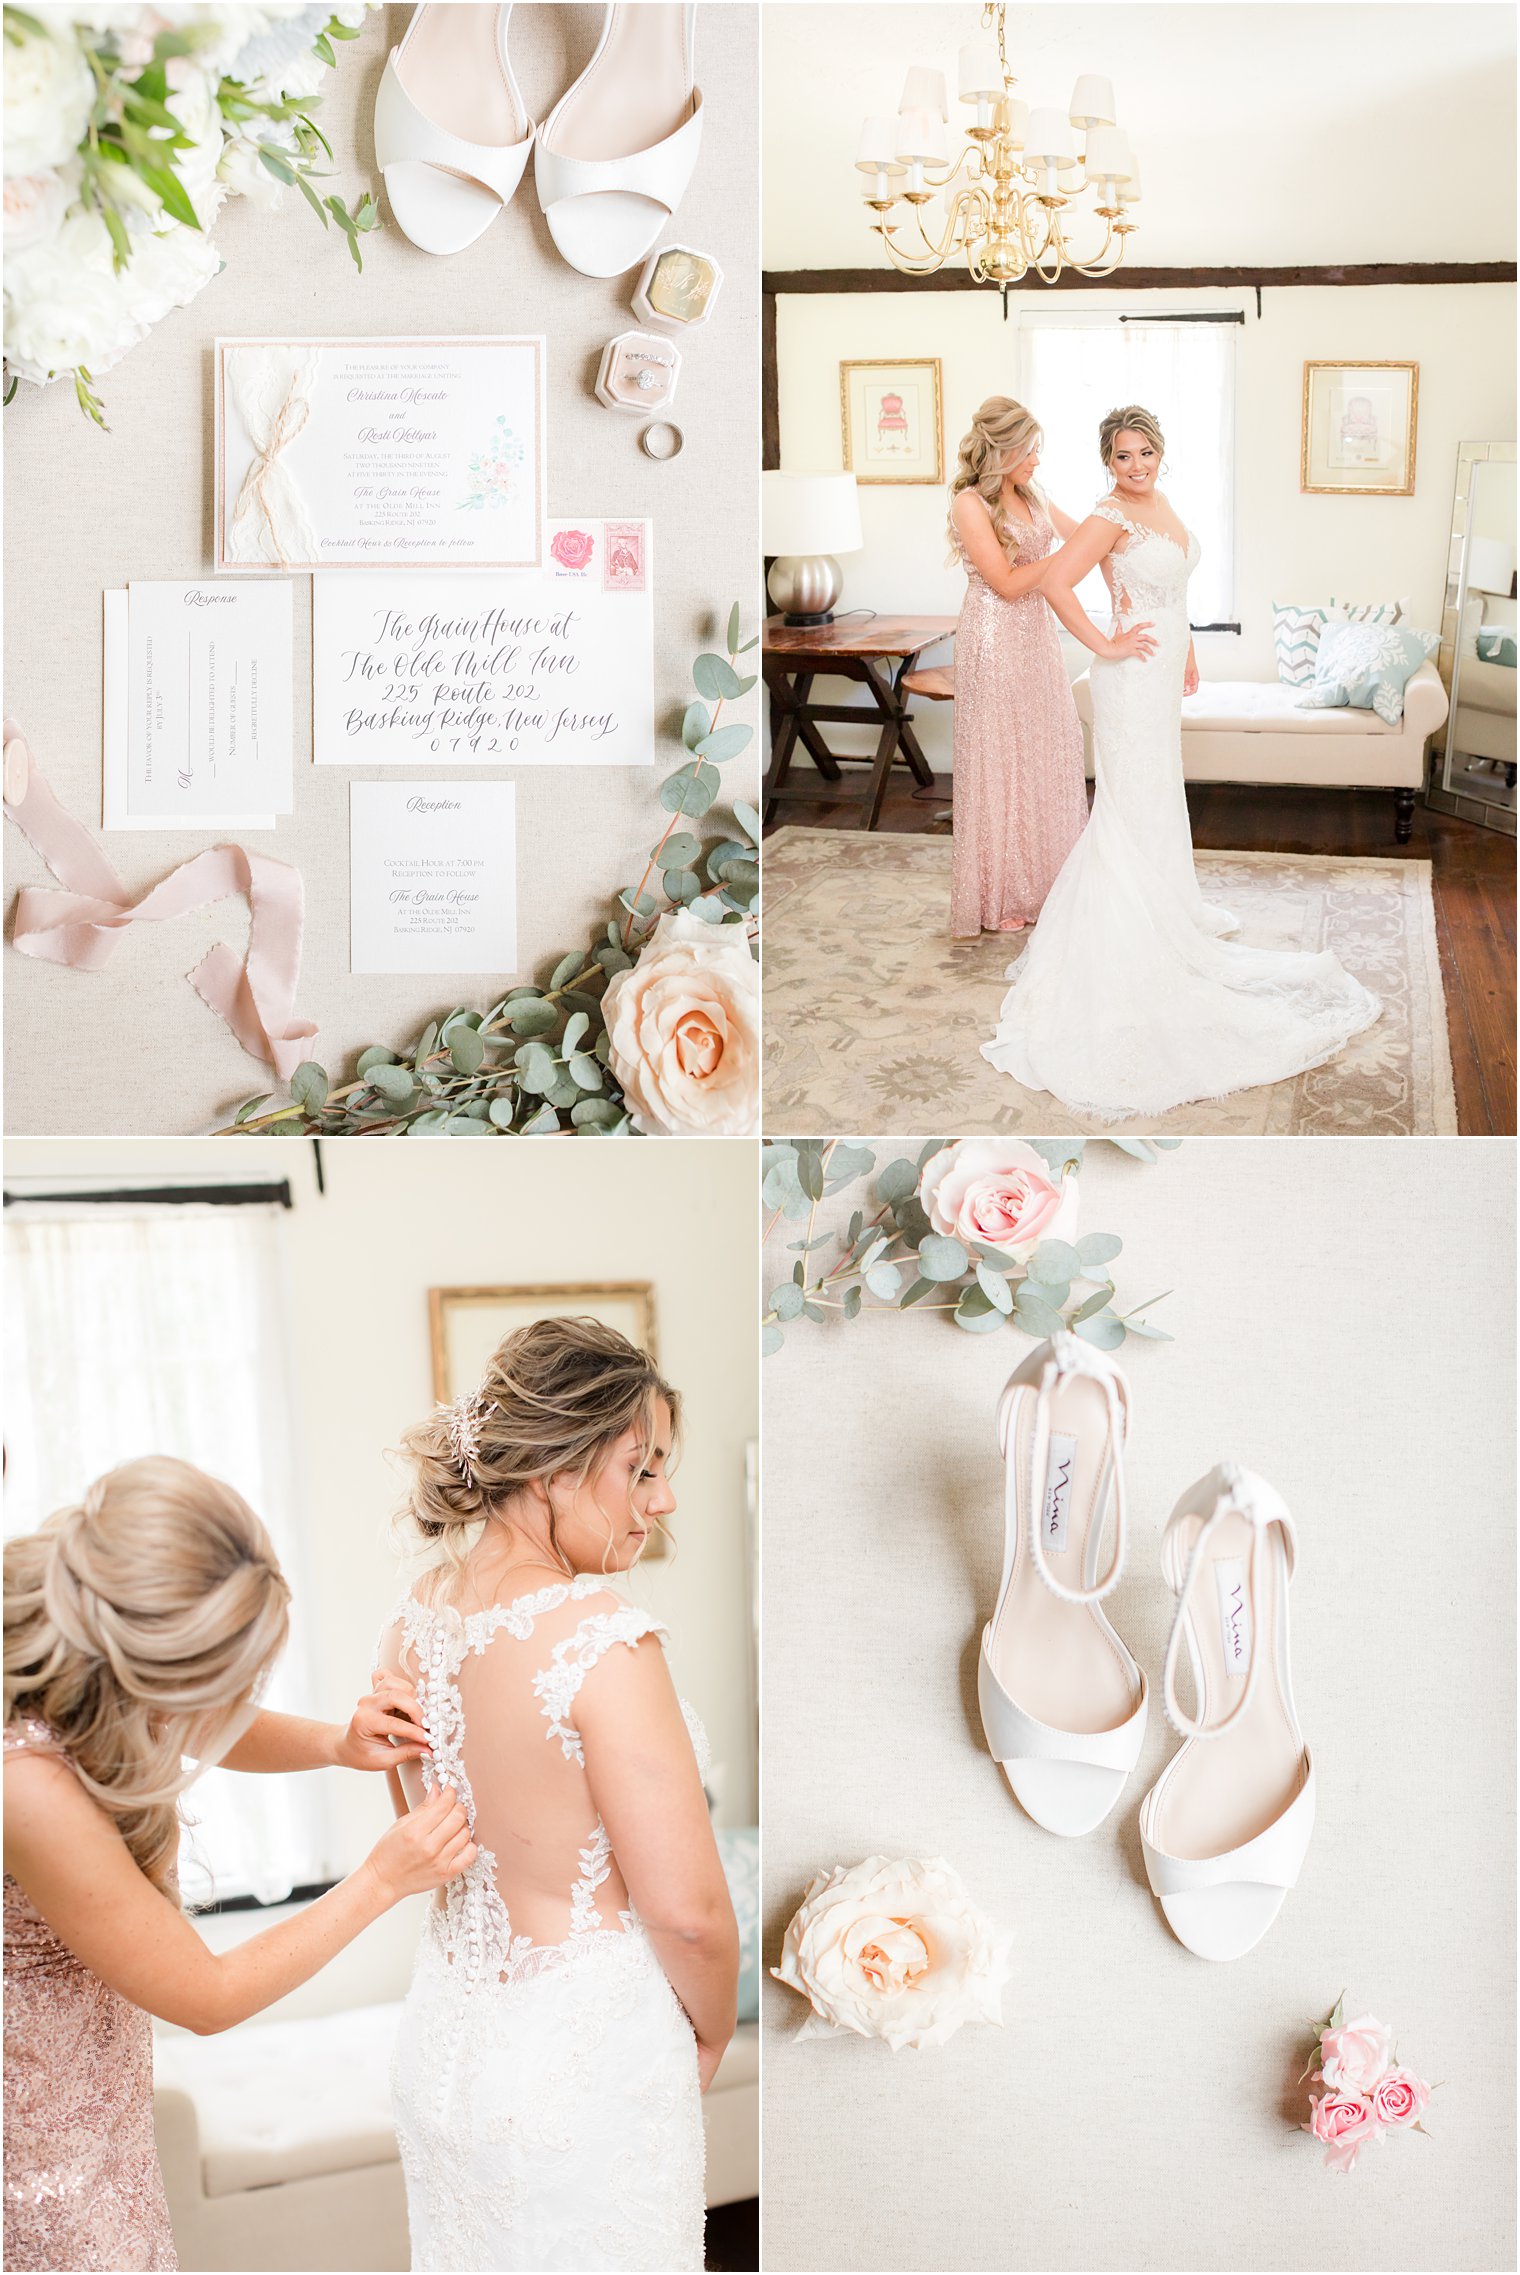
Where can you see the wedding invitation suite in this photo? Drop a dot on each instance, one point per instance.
(434, 877)
(549, 668)
(197, 715)
(379, 453)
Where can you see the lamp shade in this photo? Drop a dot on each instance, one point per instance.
(1049, 136)
(1108, 154)
(924, 90)
(1092, 102)
(877, 152)
(809, 513)
(921, 136)
(1490, 564)
(1129, 188)
(980, 71)
(1013, 119)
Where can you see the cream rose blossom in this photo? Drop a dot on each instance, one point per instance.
(896, 1951)
(999, 1193)
(683, 1030)
(49, 93)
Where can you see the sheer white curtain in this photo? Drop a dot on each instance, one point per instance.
(135, 1329)
(1075, 368)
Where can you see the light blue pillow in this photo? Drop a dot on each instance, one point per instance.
(1366, 667)
(1496, 646)
(739, 1847)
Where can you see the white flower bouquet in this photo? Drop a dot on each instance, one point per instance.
(125, 129)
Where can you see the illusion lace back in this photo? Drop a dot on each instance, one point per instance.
(1020, 792)
(1126, 999)
(83, 2187)
(545, 2077)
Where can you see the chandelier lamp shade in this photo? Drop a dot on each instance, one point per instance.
(1029, 191)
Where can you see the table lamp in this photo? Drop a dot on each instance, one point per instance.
(805, 520)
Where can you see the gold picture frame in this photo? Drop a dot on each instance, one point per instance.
(892, 421)
(1359, 429)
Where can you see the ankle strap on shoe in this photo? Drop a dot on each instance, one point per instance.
(1062, 1357)
(1226, 1491)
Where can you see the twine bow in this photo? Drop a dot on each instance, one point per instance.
(288, 421)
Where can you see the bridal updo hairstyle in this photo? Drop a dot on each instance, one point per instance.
(139, 1626)
(1002, 432)
(554, 1399)
(1132, 419)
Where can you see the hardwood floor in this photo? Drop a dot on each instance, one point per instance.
(1473, 875)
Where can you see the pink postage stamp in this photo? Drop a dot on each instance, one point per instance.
(623, 557)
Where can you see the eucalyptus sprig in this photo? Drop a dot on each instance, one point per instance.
(890, 1250)
(537, 1060)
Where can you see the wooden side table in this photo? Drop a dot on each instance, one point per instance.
(879, 651)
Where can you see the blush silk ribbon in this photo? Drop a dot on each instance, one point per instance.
(81, 924)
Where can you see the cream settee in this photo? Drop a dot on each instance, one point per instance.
(279, 2150)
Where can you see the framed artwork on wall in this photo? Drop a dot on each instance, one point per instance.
(1359, 429)
(891, 422)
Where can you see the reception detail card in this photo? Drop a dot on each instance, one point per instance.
(379, 454)
(197, 706)
(548, 668)
(434, 877)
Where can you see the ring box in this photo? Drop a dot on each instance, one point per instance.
(639, 372)
(678, 287)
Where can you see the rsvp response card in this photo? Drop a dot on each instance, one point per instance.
(379, 453)
(434, 886)
(553, 667)
(197, 706)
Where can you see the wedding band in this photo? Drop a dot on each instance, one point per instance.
(663, 439)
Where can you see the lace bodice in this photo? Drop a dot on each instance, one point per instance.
(518, 1669)
(1148, 572)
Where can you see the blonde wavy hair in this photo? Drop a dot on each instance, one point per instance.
(139, 1626)
(1002, 432)
(554, 1399)
(1133, 418)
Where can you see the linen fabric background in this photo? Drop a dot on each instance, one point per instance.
(133, 1048)
(1343, 1314)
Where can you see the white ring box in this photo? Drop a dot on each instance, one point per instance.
(639, 372)
(678, 288)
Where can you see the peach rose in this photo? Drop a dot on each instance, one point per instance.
(895, 1951)
(1345, 2123)
(997, 1191)
(1354, 2056)
(684, 1030)
(1400, 2098)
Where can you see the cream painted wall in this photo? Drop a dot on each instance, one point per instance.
(1287, 546)
(398, 1219)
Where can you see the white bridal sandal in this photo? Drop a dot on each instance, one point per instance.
(452, 133)
(616, 152)
(1062, 1698)
(1226, 1825)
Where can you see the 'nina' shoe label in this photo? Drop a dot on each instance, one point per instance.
(1063, 1464)
(1234, 1613)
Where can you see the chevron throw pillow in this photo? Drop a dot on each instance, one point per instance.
(1296, 627)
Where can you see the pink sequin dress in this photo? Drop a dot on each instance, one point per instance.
(1020, 797)
(83, 2187)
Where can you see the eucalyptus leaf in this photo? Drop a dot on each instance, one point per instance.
(897, 1181)
(1140, 1149)
(786, 1300)
(308, 1086)
(376, 1055)
(852, 1302)
(1094, 1304)
(566, 968)
(1054, 1260)
(680, 885)
(940, 1258)
(679, 850)
(696, 724)
(917, 1292)
(596, 1114)
(690, 790)
(501, 1112)
(396, 1084)
(1035, 1317)
(467, 1051)
(995, 1288)
(1098, 1248)
(585, 1070)
(748, 820)
(771, 1339)
(715, 677)
(534, 1017)
(1106, 1330)
(545, 1123)
(575, 1027)
(725, 742)
(1151, 1334)
(848, 1161)
(884, 1280)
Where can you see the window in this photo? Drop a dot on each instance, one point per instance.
(133, 1329)
(1076, 368)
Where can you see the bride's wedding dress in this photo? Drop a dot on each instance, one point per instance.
(545, 2076)
(1126, 999)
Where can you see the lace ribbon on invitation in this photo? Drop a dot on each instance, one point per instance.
(271, 388)
(80, 925)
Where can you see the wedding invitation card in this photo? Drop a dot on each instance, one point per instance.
(424, 453)
(197, 712)
(551, 668)
(434, 877)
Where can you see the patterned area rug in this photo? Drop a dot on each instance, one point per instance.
(874, 1015)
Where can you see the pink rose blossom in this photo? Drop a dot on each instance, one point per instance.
(1345, 2123)
(1400, 2098)
(1355, 2056)
(999, 1193)
(572, 548)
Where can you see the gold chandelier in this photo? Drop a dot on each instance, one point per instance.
(1015, 189)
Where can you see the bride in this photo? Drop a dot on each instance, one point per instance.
(1127, 1000)
(575, 1988)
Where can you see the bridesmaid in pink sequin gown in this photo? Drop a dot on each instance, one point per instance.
(1020, 792)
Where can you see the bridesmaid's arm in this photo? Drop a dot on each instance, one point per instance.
(985, 554)
(1078, 557)
(275, 1742)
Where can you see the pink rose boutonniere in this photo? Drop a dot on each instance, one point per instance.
(1367, 2093)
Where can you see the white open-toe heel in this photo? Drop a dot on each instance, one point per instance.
(1062, 1698)
(452, 133)
(617, 150)
(1226, 1825)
